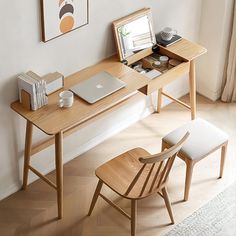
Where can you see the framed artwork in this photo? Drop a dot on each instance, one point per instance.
(62, 16)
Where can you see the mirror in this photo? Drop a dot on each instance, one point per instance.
(134, 33)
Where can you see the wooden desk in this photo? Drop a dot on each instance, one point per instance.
(188, 51)
(58, 122)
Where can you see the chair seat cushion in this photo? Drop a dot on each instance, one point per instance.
(204, 138)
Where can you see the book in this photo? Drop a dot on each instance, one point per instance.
(41, 86)
(164, 43)
(37, 81)
(38, 90)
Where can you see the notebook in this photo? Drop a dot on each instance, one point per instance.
(164, 43)
(97, 87)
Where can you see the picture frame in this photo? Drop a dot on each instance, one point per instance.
(59, 17)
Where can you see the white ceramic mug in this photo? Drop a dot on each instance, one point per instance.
(167, 33)
(66, 99)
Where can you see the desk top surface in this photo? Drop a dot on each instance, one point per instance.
(51, 119)
(186, 49)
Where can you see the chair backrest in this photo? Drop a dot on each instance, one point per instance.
(157, 174)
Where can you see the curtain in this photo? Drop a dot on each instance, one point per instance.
(229, 90)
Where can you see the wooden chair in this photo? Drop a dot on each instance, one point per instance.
(204, 139)
(136, 174)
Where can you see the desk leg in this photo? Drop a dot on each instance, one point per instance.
(59, 172)
(192, 89)
(159, 100)
(28, 144)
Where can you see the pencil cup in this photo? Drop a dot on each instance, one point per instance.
(66, 99)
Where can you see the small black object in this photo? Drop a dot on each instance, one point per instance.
(125, 62)
(155, 48)
(164, 43)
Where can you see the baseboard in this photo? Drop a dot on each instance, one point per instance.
(212, 95)
(10, 190)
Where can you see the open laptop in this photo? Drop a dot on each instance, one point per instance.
(97, 87)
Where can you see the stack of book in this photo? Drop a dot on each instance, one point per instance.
(164, 43)
(35, 87)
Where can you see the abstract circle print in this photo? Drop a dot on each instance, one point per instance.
(66, 15)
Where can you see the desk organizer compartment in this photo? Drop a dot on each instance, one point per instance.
(167, 74)
(166, 78)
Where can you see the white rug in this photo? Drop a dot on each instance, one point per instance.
(216, 218)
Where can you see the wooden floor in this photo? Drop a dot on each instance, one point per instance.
(33, 212)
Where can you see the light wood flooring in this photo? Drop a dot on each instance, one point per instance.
(34, 211)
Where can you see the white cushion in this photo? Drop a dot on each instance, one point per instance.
(203, 139)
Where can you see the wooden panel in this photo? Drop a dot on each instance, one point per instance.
(51, 119)
(123, 21)
(186, 49)
(139, 55)
(171, 55)
(25, 99)
(166, 78)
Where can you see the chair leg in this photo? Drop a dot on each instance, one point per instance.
(95, 196)
(133, 217)
(188, 178)
(223, 155)
(168, 204)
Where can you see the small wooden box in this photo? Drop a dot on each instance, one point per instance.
(54, 81)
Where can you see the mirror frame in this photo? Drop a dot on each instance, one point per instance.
(125, 20)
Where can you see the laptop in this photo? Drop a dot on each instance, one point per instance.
(97, 87)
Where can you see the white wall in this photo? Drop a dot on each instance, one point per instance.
(21, 50)
(214, 35)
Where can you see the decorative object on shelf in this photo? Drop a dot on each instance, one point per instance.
(156, 64)
(54, 82)
(164, 60)
(62, 16)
